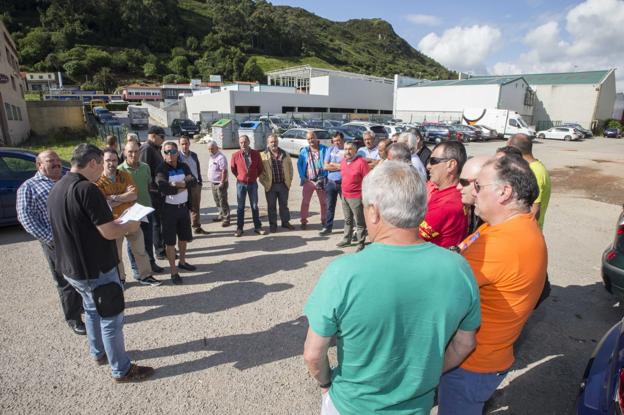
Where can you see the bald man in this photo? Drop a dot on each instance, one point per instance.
(468, 175)
(32, 213)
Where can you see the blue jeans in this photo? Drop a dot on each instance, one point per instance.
(147, 228)
(105, 335)
(465, 392)
(332, 190)
(242, 190)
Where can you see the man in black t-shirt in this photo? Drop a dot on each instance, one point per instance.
(84, 235)
(149, 153)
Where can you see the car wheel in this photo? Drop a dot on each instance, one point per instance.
(567, 138)
(541, 136)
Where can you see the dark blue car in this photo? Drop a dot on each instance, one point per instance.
(602, 387)
(16, 166)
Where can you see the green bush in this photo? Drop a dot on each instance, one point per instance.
(614, 124)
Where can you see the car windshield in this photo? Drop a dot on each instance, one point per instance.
(522, 123)
(187, 123)
(322, 135)
(378, 129)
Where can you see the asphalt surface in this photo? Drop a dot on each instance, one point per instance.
(229, 341)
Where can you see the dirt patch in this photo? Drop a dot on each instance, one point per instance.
(590, 181)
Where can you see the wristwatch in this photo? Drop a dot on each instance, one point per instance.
(326, 385)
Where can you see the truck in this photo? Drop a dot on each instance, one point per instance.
(138, 116)
(505, 122)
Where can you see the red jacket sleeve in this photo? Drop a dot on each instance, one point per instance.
(233, 165)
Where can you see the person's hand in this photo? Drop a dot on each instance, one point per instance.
(131, 188)
(222, 185)
(181, 184)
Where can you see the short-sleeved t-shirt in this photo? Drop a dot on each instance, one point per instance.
(393, 310)
(543, 182)
(509, 262)
(371, 154)
(142, 178)
(117, 186)
(76, 207)
(334, 155)
(446, 221)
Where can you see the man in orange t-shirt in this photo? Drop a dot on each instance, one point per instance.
(508, 258)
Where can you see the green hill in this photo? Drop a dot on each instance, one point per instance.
(103, 43)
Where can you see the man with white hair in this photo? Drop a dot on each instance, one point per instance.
(411, 140)
(399, 152)
(508, 257)
(218, 177)
(395, 335)
(369, 151)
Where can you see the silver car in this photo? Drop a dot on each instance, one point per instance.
(293, 140)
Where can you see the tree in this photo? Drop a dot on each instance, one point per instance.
(104, 80)
(178, 65)
(35, 46)
(96, 59)
(252, 71)
(75, 69)
(150, 70)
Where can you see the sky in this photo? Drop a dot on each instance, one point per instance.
(499, 37)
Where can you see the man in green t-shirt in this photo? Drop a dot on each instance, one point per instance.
(393, 308)
(142, 177)
(523, 143)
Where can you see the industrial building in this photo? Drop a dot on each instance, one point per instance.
(586, 98)
(14, 124)
(41, 81)
(300, 89)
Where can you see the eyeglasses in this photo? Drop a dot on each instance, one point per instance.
(478, 186)
(171, 152)
(437, 160)
(465, 182)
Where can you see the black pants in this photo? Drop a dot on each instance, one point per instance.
(159, 245)
(71, 301)
(278, 193)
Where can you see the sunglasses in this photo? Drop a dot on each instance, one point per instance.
(465, 182)
(478, 186)
(437, 160)
(171, 152)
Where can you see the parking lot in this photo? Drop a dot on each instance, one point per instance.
(230, 339)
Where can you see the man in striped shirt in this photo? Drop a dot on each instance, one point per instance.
(32, 213)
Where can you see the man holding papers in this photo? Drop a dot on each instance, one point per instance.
(121, 193)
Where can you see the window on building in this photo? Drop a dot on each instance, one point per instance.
(40, 76)
(529, 97)
(19, 113)
(15, 115)
(49, 76)
(22, 90)
(9, 111)
(247, 109)
(288, 109)
(13, 83)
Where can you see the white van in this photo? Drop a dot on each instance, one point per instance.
(505, 122)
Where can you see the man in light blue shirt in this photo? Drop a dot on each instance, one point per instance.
(369, 151)
(334, 180)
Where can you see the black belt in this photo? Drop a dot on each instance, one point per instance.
(181, 205)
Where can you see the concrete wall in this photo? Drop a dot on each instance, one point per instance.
(163, 116)
(606, 99)
(512, 98)
(46, 116)
(357, 93)
(565, 103)
(618, 107)
(443, 99)
(429, 116)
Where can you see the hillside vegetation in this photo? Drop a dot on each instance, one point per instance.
(103, 43)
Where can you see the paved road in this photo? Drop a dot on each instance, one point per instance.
(230, 339)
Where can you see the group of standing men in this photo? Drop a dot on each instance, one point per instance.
(410, 317)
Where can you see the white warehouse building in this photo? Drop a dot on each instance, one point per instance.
(445, 100)
(325, 91)
(586, 98)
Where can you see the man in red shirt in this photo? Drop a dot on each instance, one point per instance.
(445, 223)
(353, 168)
(246, 166)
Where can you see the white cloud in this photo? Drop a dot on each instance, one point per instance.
(423, 19)
(594, 30)
(462, 48)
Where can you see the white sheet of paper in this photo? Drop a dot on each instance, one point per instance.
(136, 212)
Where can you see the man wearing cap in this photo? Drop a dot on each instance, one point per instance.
(149, 153)
(173, 179)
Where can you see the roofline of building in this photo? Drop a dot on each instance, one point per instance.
(612, 70)
(329, 71)
(514, 78)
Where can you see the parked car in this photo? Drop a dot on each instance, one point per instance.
(393, 129)
(613, 261)
(293, 140)
(437, 133)
(468, 133)
(104, 117)
(181, 126)
(602, 386)
(612, 133)
(16, 166)
(487, 133)
(379, 130)
(560, 133)
(586, 133)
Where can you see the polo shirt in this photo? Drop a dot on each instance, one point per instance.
(142, 177)
(543, 183)
(353, 173)
(76, 207)
(117, 186)
(445, 222)
(372, 154)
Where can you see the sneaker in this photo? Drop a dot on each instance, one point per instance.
(325, 231)
(176, 279)
(200, 231)
(77, 327)
(217, 219)
(136, 374)
(186, 266)
(354, 238)
(304, 226)
(225, 223)
(260, 231)
(161, 257)
(156, 268)
(288, 226)
(343, 243)
(273, 229)
(238, 233)
(150, 281)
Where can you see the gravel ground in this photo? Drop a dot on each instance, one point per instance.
(230, 339)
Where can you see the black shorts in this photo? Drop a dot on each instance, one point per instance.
(176, 221)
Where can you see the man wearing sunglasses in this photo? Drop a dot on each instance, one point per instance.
(173, 179)
(508, 258)
(446, 222)
(466, 187)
